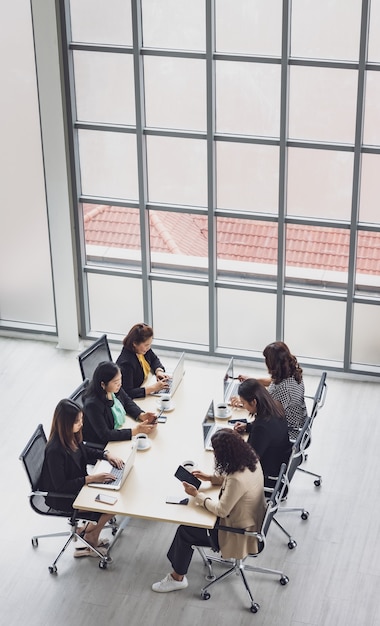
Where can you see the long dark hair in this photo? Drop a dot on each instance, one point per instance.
(232, 453)
(65, 414)
(250, 390)
(139, 333)
(281, 363)
(104, 372)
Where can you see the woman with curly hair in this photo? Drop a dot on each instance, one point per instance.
(241, 504)
(284, 385)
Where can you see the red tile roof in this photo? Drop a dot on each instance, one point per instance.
(239, 240)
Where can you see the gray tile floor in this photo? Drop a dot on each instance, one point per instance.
(334, 571)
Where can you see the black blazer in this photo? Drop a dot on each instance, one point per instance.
(270, 439)
(132, 372)
(64, 471)
(98, 420)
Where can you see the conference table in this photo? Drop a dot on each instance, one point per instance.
(151, 480)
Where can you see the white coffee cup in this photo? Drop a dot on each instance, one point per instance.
(142, 441)
(189, 465)
(165, 402)
(222, 410)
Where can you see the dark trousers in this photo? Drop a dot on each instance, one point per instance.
(181, 552)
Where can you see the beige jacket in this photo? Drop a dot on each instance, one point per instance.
(241, 505)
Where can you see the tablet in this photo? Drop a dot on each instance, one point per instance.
(184, 476)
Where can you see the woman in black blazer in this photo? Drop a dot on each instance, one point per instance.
(64, 468)
(106, 405)
(137, 360)
(268, 432)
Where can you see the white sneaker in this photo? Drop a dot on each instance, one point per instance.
(169, 584)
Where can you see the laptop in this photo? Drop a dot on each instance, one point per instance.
(121, 474)
(230, 382)
(210, 427)
(175, 379)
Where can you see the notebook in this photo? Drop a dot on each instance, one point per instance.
(176, 377)
(210, 427)
(121, 474)
(230, 386)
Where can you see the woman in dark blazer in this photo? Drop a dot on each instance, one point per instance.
(268, 432)
(106, 405)
(137, 360)
(64, 468)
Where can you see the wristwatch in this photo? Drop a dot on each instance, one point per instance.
(105, 452)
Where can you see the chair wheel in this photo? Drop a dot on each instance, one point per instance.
(254, 607)
(53, 569)
(34, 542)
(205, 595)
(284, 580)
(292, 544)
(305, 514)
(318, 482)
(103, 564)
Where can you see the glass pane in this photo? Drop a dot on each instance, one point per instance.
(371, 132)
(246, 248)
(186, 320)
(370, 189)
(174, 24)
(104, 87)
(108, 163)
(112, 234)
(319, 183)
(177, 171)
(366, 342)
(175, 93)
(322, 104)
(238, 332)
(327, 29)
(317, 256)
(248, 98)
(178, 239)
(368, 263)
(308, 332)
(115, 303)
(374, 29)
(242, 26)
(97, 21)
(242, 174)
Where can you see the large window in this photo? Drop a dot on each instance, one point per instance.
(227, 156)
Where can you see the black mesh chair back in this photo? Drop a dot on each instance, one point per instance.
(78, 393)
(272, 505)
(90, 358)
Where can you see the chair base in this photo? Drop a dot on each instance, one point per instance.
(318, 477)
(73, 535)
(238, 567)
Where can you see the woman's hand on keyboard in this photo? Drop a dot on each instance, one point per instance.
(104, 477)
(115, 461)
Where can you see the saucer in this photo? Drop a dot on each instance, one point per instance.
(224, 417)
(166, 410)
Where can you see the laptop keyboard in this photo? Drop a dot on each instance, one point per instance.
(118, 473)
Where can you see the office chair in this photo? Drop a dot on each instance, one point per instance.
(297, 456)
(93, 355)
(78, 393)
(32, 458)
(240, 566)
(318, 402)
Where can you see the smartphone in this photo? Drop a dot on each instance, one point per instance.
(106, 498)
(184, 476)
(236, 420)
(176, 500)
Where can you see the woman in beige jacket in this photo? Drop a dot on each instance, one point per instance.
(241, 504)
